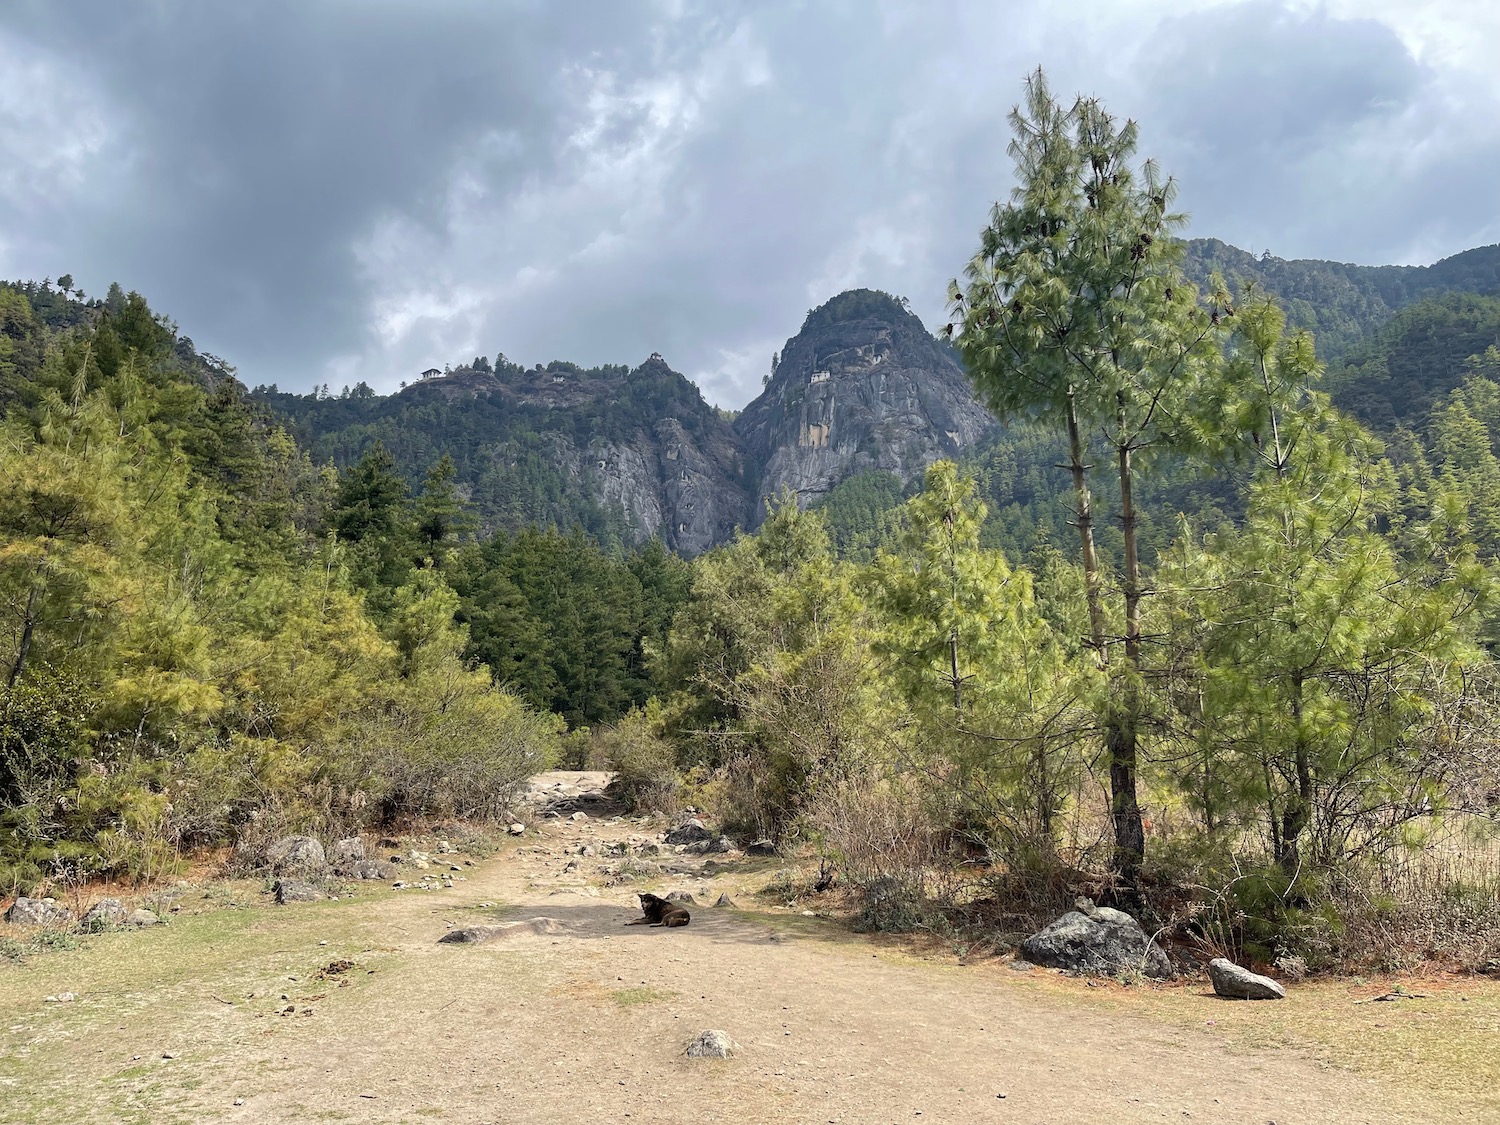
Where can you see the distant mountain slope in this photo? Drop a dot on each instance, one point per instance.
(1339, 302)
(1401, 371)
(625, 454)
(862, 387)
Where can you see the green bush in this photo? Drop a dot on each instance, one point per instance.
(644, 760)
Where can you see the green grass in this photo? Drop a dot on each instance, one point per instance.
(631, 997)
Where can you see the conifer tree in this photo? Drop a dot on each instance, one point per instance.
(1076, 312)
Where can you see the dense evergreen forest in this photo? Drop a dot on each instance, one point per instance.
(1206, 612)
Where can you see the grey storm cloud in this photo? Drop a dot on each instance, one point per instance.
(328, 192)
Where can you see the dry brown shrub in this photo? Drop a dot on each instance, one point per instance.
(882, 836)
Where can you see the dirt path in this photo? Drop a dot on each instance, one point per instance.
(590, 1026)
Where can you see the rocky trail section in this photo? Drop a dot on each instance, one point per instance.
(353, 1009)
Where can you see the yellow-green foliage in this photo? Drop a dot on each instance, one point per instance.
(176, 670)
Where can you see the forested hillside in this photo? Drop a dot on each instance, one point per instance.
(1338, 302)
(622, 454)
(205, 638)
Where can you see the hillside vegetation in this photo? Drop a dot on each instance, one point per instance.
(1198, 628)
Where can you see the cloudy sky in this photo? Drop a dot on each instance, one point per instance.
(323, 192)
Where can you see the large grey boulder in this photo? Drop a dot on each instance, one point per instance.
(1236, 983)
(296, 890)
(296, 855)
(348, 850)
(38, 912)
(1097, 941)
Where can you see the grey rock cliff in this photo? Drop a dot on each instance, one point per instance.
(861, 387)
(677, 475)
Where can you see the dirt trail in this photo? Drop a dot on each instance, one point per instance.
(591, 1026)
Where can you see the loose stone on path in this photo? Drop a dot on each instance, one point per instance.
(1236, 983)
(712, 1045)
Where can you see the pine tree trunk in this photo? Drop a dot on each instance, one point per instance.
(1085, 523)
(1297, 813)
(1121, 736)
(28, 622)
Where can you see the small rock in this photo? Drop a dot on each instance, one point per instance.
(1236, 983)
(516, 829)
(1020, 966)
(579, 816)
(387, 842)
(682, 896)
(105, 912)
(725, 900)
(398, 885)
(38, 912)
(712, 1045)
(348, 850)
(239, 1101)
(366, 869)
(168, 1055)
(762, 846)
(445, 848)
(296, 890)
(293, 855)
(142, 918)
(61, 998)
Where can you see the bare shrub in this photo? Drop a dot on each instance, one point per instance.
(1438, 906)
(880, 835)
(739, 795)
(645, 763)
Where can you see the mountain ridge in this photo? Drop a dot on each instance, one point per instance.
(626, 453)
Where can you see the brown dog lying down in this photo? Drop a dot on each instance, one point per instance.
(660, 912)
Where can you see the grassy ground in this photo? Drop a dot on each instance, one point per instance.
(239, 1001)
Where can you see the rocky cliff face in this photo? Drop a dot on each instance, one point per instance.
(630, 453)
(861, 387)
(678, 476)
(621, 452)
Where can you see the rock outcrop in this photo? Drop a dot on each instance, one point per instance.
(862, 387)
(105, 913)
(296, 855)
